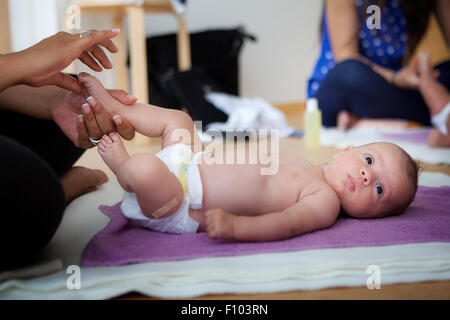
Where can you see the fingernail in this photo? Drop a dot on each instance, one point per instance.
(91, 100)
(80, 118)
(130, 96)
(116, 30)
(117, 119)
(86, 109)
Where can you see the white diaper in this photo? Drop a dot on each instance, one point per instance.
(180, 160)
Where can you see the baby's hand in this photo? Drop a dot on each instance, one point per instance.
(219, 224)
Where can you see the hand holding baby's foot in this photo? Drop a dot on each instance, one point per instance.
(219, 224)
(112, 151)
(92, 87)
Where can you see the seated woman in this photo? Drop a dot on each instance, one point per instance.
(367, 73)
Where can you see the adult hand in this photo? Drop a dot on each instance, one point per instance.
(42, 63)
(407, 77)
(67, 115)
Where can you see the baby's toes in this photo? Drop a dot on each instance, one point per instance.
(107, 140)
(114, 137)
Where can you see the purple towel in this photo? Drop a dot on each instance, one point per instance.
(121, 242)
(417, 136)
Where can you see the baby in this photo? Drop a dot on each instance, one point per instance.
(174, 192)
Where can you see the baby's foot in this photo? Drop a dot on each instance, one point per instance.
(93, 87)
(424, 63)
(112, 151)
(437, 139)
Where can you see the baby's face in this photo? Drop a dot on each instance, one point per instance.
(370, 180)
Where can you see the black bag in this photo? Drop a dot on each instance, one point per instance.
(215, 66)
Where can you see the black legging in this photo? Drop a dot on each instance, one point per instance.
(34, 154)
(352, 85)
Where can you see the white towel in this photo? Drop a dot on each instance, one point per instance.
(247, 113)
(359, 136)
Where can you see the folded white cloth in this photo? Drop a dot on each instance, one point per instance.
(247, 113)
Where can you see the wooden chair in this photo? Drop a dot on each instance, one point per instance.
(137, 42)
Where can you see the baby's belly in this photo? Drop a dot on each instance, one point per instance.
(242, 190)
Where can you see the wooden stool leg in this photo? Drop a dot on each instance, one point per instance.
(138, 55)
(121, 56)
(183, 45)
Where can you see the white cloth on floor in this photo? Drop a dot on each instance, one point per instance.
(333, 137)
(247, 113)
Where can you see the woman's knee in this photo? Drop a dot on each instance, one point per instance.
(349, 74)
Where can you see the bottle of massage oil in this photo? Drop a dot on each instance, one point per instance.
(313, 123)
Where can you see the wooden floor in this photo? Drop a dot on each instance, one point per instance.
(294, 112)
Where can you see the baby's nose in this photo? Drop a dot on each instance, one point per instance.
(366, 176)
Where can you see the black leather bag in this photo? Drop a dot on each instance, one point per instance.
(215, 67)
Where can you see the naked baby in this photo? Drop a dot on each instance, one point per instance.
(174, 191)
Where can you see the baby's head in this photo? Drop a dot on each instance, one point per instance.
(373, 180)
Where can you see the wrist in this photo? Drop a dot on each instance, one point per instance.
(392, 79)
(10, 67)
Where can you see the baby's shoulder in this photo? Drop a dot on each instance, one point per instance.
(323, 194)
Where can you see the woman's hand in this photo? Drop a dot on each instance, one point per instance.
(42, 63)
(67, 115)
(407, 77)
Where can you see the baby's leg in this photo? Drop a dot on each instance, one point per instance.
(149, 120)
(145, 175)
(158, 191)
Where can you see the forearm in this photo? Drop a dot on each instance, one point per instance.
(386, 73)
(11, 74)
(173, 126)
(267, 227)
(34, 102)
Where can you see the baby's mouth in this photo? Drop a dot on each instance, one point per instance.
(351, 183)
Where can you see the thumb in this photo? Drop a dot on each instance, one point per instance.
(67, 82)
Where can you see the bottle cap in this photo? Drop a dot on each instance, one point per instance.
(312, 105)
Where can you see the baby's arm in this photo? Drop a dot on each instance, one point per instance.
(315, 211)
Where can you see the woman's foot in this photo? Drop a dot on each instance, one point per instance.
(79, 180)
(112, 151)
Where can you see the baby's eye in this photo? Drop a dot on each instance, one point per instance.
(369, 159)
(379, 189)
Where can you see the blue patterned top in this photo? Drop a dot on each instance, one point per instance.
(385, 47)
